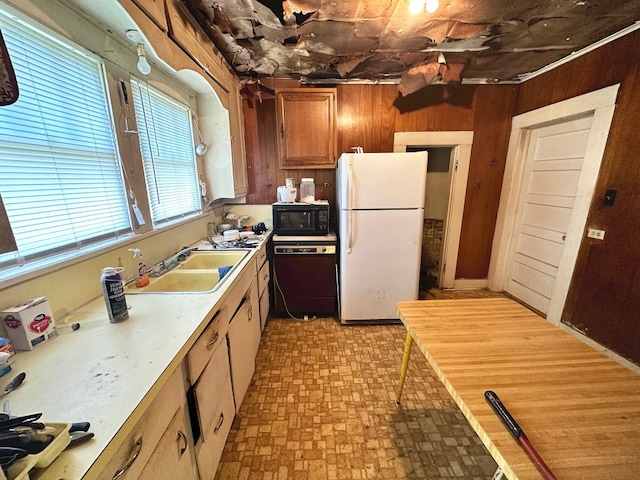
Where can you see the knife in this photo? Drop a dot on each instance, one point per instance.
(78, 438)
(17, 421)
(79, 433)
(9, 455)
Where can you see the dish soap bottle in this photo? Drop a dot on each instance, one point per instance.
(113, 292)
(143, 277)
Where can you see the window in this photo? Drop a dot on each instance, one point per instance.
(60, 176)
(166, 143)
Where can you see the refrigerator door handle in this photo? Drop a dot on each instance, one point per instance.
(350, 187)
(350, 229)
(350, 190)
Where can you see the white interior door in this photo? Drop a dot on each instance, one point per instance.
(601, 104)
(553, 165)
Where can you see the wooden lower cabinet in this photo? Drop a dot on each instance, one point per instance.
(254, 318)
(264, 308)
(209, 450)
(162, 433)
(182, 433)
(215, 411)
(241, 348)
(171, 458)
(264, 275)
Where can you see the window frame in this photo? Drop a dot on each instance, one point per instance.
(70, 52)
(142, 94)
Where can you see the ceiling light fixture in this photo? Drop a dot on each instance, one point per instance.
(416, 6)
(143, 65)
(432, 5)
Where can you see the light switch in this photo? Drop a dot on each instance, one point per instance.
(597, 234)
(610, 197)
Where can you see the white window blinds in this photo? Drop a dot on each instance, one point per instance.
(166, 143)
(60, 176)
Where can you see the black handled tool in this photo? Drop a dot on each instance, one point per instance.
(518, 434)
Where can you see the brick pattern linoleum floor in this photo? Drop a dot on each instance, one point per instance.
(321, 405)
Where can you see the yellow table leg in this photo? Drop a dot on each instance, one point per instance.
(405, 365)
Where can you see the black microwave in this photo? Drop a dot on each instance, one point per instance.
(301, 218)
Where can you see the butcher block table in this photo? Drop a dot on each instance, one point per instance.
(579, 409)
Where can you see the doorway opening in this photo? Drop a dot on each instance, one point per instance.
(447, 172)
(436, 204)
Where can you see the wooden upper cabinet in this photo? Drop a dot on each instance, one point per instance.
(238, 151)
(155, 11)
(307, 127)
(185, 31)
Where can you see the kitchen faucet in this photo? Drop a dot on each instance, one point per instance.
(167, 264)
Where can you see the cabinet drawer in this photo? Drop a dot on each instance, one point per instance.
(212, 337)
(145, 435)
(263, 278)
(207, 389)
(262, 255)
(209, 451)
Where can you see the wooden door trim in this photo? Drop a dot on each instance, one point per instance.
(602, 104)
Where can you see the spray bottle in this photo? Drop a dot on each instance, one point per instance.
(143, 277)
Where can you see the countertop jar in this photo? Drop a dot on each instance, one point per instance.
(307, 190)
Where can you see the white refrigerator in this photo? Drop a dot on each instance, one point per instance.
(380, 207)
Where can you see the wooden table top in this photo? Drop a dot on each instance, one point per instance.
(579, 408)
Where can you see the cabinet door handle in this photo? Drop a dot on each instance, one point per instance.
(132, 459)
(219, 425)
(213, 341)
(183, 437)
(250, 312)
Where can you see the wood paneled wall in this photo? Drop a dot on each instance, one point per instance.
(368, 116)
(604, 296)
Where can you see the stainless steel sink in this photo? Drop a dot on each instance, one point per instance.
(197, 274)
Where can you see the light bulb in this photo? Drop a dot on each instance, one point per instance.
(143, 65)
(432, 5)
(415, 6)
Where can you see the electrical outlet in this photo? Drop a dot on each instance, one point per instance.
(595, 233)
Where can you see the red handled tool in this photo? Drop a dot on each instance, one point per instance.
(518, 434)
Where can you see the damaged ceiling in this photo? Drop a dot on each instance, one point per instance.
(328, 41)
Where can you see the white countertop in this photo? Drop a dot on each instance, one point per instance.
(108, 374)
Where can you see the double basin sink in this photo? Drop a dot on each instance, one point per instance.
(200, 272)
